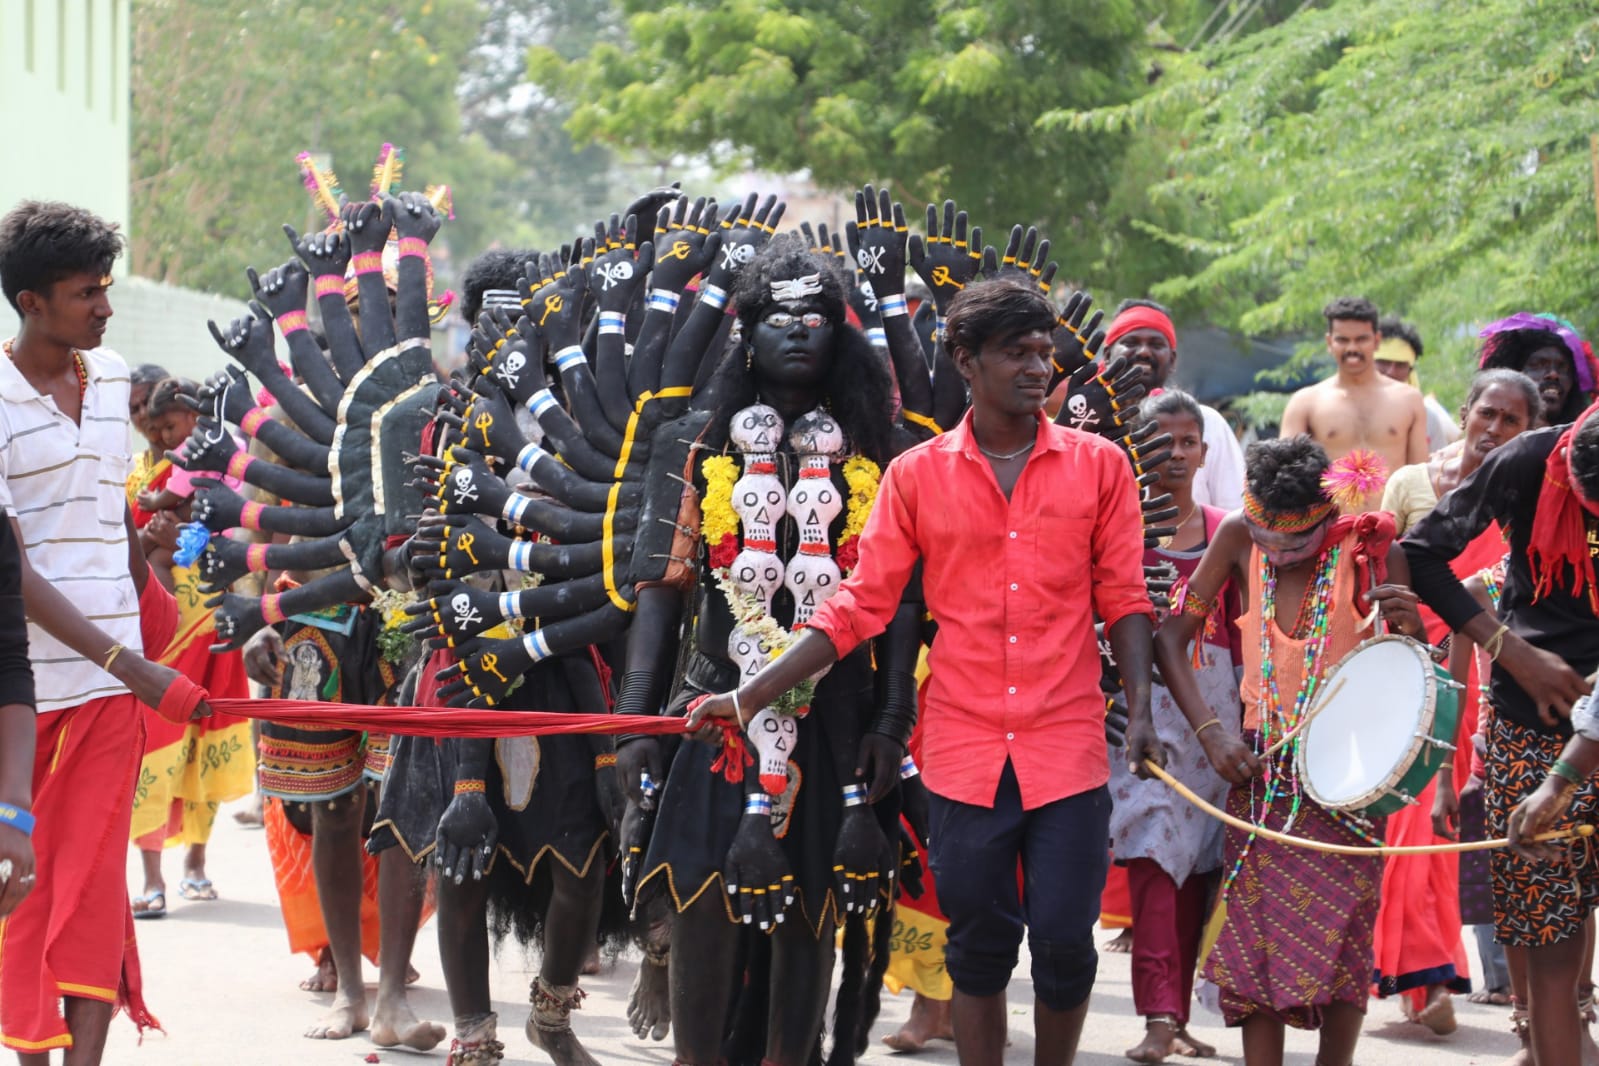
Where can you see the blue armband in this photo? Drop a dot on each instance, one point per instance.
(17, 818)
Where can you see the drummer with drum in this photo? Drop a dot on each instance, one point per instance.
(1292, 932)
(1543, 487)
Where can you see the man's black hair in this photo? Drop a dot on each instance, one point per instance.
(1128, 305)
(1171, 402)
(1585, 457)
(1394, 326)
(43, 241)
(499, 268)
(1515, 379)
(1285, 474)
(1350, 309)
(1511, 350)
(1001, 307)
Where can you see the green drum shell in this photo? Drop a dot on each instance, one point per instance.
(1445, 720)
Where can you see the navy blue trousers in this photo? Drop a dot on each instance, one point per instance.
(1062, 848)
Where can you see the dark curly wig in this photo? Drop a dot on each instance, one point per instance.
(859, 390)
(500, 268)
(1285, 474)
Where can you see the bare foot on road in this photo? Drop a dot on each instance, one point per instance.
(649, 1005)
(325, 979)
(345, 1019)
(394, 1024)
(929, 1020)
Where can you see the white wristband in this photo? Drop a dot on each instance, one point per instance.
(714, 295)
(891, 306)
(662, 300)
(612, 323)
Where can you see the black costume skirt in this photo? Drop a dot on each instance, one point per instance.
(700, 809)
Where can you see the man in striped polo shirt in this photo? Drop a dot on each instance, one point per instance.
(67, 960)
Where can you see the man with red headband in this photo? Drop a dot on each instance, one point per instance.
(1543, 487)
(1359, 408)
(1143, 334)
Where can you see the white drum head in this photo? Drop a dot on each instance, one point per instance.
(1358, 739)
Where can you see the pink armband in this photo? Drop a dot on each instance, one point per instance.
(291, 322)
(239, 464)
(329, 285)
(413, 246)
(367, 263)
(252, 419)
(255, 557)
(250, 515)
(271, 609)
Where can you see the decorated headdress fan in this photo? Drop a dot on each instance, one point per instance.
(344, 487)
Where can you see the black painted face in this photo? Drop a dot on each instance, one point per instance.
(789, 351)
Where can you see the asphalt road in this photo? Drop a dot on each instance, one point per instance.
(220, 978)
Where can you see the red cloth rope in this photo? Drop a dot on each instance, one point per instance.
(453, 721)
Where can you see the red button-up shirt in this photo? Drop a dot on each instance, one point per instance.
(1014, 586)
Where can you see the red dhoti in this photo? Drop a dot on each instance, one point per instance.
(73, 935)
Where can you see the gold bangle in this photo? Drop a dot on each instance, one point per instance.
(1446, 766)
(1202, 726)
(111, 657)
(1496, 643)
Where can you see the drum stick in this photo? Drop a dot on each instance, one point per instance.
(1350, 849)
(1310, 712)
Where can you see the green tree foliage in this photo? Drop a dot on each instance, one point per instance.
(934, 99)
(227, 92)
(1432, 156)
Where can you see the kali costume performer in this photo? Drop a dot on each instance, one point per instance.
(1548, 349)
(68, 959)
(1544, 488)
(786, 473)
(1418, 947)
(348, 503)
(1168, 847)
(189, 770)
(1293, 927)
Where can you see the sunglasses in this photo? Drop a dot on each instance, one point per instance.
(783, 319)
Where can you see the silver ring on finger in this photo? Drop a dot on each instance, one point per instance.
(6, 869)
(1242, 767)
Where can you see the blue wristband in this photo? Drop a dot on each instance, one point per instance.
(854, 795)
(17, 818)
(758, 803)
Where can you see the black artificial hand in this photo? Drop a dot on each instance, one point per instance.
(620, 265)
(863, 863)
(468, 832)
(946, 259)
(745, 230)
(552, 297)
(453, 613)
(760, 886)
(686, 242)
(1027, 258)
(1077, 325)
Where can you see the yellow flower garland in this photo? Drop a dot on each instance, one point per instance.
(718, 519)
(862, 476)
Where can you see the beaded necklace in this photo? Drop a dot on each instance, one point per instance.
(1272, 718)
(77, 367)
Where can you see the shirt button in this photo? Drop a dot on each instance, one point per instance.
(1010, 736)
(1013, 534)
(1013, 690)
(1013, 586)
(1013, 640)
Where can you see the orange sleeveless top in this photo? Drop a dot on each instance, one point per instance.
(1345, 632)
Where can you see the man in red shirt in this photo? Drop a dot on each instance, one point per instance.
(1026, 532)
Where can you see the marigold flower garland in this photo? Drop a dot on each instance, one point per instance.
(719, 527)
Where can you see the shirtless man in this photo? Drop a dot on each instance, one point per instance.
(1359, 407)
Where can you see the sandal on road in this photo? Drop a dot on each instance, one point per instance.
(150, 905)
(193, 890)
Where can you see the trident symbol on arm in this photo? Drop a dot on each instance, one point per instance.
(484, 421)
(464, 543)
(552, 305)
(490, 662)
(941, 278)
